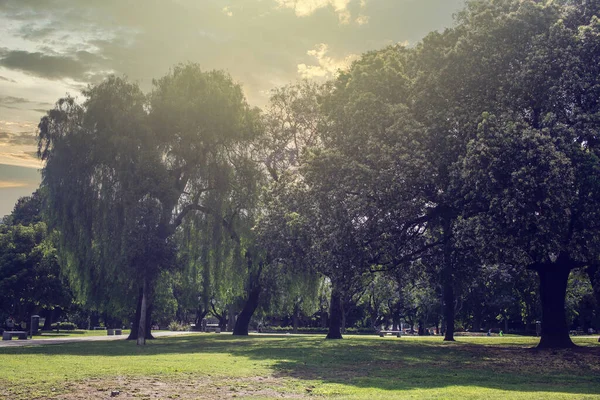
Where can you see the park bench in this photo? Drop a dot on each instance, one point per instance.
(7, 335)
(212, 328)
(383, 333)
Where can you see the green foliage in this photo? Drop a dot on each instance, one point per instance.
(178, 327)
(64, 326)
(67, 326)
(124, 170)
(30, 277)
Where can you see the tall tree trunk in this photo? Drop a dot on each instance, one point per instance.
(47, 320)
(448, 281)
(133, 335)
(141, 339)
(243, 320)
(335, 314)
(448, 276)
(553, 288)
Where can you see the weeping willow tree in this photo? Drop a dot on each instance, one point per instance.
(217, 249)
(124, 170)
(213, 262)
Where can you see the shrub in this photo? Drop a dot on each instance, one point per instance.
(64, 326)
(178, 326)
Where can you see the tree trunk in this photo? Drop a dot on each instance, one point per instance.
(448, 281)
(448, 301)
(48, 320)
(553, 288)
(335, 314)
(243, 320)
(141, 339)
(395, 323)
(133, 335)
(200, 314)
(223, 321)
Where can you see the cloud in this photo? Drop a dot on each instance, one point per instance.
(2, 78)
(304, 8)
(12, 100)
(21, 159)
(18, 139)
(20, 103)
(12, 185)
(227, 11)
(77, 66)
(362, 19)
(327, 66)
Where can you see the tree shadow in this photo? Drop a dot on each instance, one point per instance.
(386, 364)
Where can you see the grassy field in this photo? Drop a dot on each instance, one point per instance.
(222, 366)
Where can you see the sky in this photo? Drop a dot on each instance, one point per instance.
(50, 48)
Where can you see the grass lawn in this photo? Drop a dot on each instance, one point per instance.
(287, 366)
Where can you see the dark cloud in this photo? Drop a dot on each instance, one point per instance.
(13, 100)
(18, 139)
(33, 32)
(2, 78)
(20, 103)
(78, 66)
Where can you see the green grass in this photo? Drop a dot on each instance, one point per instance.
(358, 367)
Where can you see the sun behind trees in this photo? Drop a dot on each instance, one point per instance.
(474, 152)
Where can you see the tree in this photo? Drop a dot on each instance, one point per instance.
(30, 279)
(535, 156)
(292, 120)
(123, 170)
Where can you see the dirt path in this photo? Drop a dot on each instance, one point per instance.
(41, 342)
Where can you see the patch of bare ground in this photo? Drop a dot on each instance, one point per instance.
(190, 387)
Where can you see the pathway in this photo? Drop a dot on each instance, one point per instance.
(39, 342)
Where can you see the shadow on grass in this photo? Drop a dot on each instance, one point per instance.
(386, 364)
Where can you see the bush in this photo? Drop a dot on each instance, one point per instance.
(64, 326)
(178, 327)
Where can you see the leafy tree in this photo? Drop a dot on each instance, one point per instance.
(123, 170)
(30, 279)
